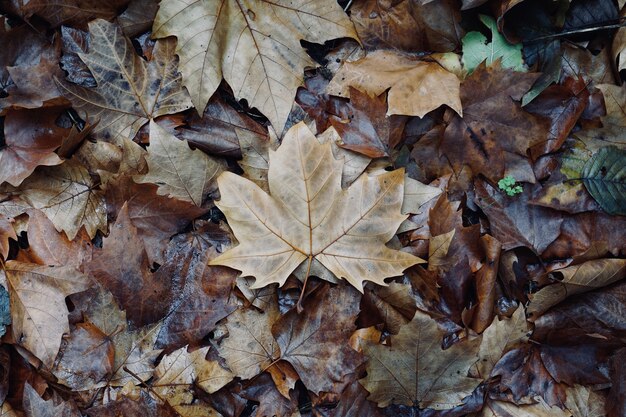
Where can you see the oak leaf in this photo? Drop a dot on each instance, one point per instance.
(241, 41)
(129, 91)
(179, 171)
(309, 216)
(414, 370)
(31, 286)
(415, 87)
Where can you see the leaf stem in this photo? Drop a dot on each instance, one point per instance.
(306, 279)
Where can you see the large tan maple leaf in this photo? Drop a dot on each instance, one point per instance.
(310, 217)
(253, 44)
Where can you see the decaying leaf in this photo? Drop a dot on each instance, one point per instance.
(239, 40)
(32, 286)
(416, 87)
(415, 371)
(309, 216)
(604, 176)
(129, 91)
(179, 172)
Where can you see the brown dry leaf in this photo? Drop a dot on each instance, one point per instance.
(407, 25)
(6, 232)
(241, 41)
(255, 151)
(486, 286)
(48, 247)
(394, 306)
(309, 216)
(614, 123)
(181, 370)
(500, 337)
(505, 409)
(271, 402)
(575, 280)
(415, 371)
(32, 286)
(129, 91)
(415, 87)
(35, 406)
(316, 342)
(68, 196)
(416, 195)
(71, 12)
(86, 359)
(250, 347)
(179, 172)
(438, 251)
(30, 137)
(584, 402)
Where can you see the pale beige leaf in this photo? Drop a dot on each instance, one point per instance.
(309, 215)
(134, 349)
(583, 402)
(35, 406)
(415, 371)
(250, 347)
(179, 172)
(505, 409)
(7, 411)
(416, 195)
(253, 44)
(32, 287)
(438, 250)
(500, 337)
(415, 87)
(68, 197)
(129, 91)
(577, 279)
(178, 371)
(354, 162)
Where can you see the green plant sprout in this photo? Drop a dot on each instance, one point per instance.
(507, 184)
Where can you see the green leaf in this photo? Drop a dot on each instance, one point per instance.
(477, 49)
(604, 176)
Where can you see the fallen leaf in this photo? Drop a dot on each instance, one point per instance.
(179, 172)
(35, 406)
(129, 91)
(31, 137)
(393, 306)
(415, 371)
(415, 87)
(71, 12)
(31, 286)
(68, 196)
(604, 178)
(584, 402)
(575, 280)
(324, 224)
(504, 409)
(239, 41)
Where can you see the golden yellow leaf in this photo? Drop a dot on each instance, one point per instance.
(179, 172)
(32, 286)
(415, 87)
(309, 216)
(253, 44)
(415, 371)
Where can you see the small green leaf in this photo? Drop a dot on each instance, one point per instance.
(477, 49)
(604, 176)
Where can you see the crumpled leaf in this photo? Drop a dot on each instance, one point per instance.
(129, 91)
(604, 176)
(309, 216)
(240, 41)
(32, 286)
(68, 196)
(415, 87)
(179, 171)
(415, 371)
(577, 279)
(477, 49)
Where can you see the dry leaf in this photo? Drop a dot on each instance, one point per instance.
(415, 371)
(179, 172)
(577, 279)
(241, 41)
(129, 91)
(416, 87)
(309, 216)
(32, 286)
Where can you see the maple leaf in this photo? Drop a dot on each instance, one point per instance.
(415, 87)
(414, 370)
(241, 42)
(309, 216)
(31, 287)
(129, 91)
(179, 172)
